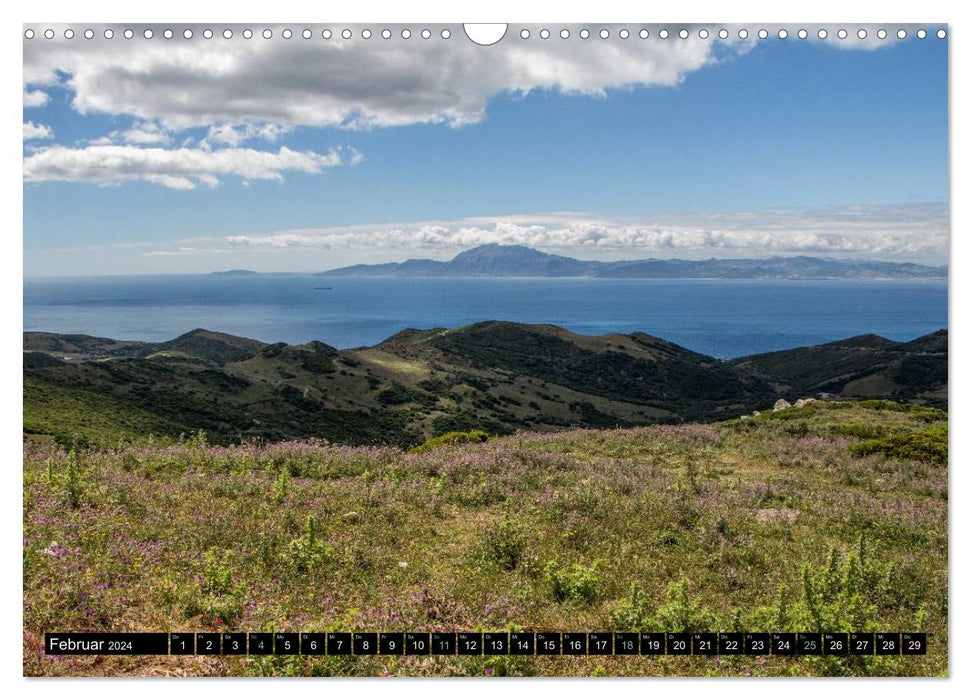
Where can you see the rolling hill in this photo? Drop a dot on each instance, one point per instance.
(496, 376)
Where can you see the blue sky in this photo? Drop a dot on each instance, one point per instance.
(771, 147)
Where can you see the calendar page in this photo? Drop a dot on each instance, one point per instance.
(541, 349)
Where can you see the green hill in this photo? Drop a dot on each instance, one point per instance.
(866, 366)
(498, 377)
(216, 347)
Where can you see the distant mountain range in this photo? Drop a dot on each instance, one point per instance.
(495, 260)
(495, 376)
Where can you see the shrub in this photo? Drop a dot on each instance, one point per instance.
(576, 582)
(631, 612)
(504, 544)
(398, 394)
(217, 572)
(281, 486)
(451, 438)
(925, 445)
(74, 483)
(307, 552)
(682, 613)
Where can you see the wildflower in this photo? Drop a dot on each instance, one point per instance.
(489, 671)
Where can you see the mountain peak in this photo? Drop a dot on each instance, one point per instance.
(497, 250)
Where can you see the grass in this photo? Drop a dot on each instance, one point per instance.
(772, 523)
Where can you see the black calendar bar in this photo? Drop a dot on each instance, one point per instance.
(109, 643)
(488, 643)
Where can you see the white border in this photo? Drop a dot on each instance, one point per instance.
(822, 11)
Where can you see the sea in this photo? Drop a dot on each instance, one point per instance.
(722, 318)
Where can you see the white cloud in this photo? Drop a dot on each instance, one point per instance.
(353, 83)
(138, 134)
(234, 135)
(905, 231)
(145, 133)
(177, 168)
(36, 132)
(35, 98)
(182, 250)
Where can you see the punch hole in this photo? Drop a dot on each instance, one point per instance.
(168, 34)
(68, 33)
(624, 33)
(483, 34)
(89, 34)
(941, 34)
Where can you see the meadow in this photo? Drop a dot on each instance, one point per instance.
(828, 517)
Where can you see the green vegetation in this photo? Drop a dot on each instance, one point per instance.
(770, 523)
(926, 445)
(451, 438)
(74, 416)
(866, 366)
(499, 377)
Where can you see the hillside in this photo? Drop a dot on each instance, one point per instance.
(495, 260)
(831, 517)
(866, 366)
(499, 377)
